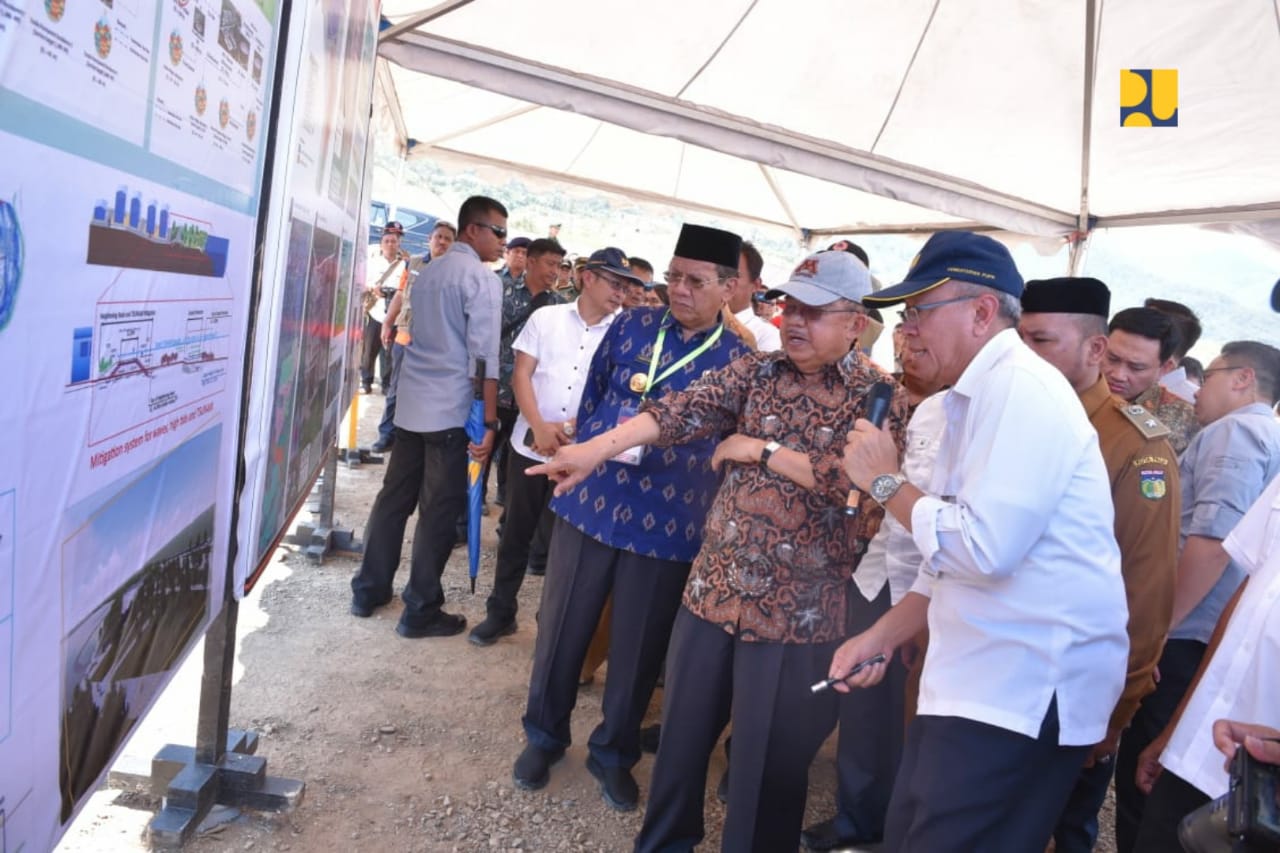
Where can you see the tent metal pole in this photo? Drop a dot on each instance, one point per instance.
(1081, 235)
(415, 21)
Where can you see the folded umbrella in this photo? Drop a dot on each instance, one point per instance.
(475, 470)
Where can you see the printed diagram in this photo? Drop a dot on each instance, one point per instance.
(124, 233)
(10, 260)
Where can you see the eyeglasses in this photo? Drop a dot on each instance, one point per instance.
(1210, 370)
(675, 279)
(809, 313)
(911, 314)
(615, 283)
(498, 231)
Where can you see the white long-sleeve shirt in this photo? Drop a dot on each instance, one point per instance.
(1020, 558)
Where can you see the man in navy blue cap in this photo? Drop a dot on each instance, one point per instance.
(1020, 583)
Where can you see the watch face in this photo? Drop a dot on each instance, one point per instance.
(884, 486)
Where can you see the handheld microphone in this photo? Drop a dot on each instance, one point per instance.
(877, 408)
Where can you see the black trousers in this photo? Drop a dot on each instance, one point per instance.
(427, 470)
(387, 426)
(965, 785)
(581, 573)
(372, 354)
(1178, 665)
(501, 450)
(871, 732)
(1172, 798)
(527, 519)
(778, 726)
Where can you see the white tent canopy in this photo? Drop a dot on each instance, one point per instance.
(847, 116)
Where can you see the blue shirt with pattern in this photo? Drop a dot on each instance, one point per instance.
(658, 507)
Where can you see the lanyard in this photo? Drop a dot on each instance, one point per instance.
(652, 380)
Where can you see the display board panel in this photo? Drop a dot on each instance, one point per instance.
(133, 140)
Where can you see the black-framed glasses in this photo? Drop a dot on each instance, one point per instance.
(911, 314)
(1211, 370)
(695, 282)
(811, 313)
(613, 281)
(498, 230)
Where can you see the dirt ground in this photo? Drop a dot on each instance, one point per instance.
(404, 745)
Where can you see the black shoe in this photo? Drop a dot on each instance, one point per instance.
(500, 499)
(617, 785)
(722, 787)
(532, 769)
(461, 539)
(368, 389)
(444, 625)
(649, 737)
(488, 631)
(823, 836)
(382, 445)
(364, 609)
(536, 571)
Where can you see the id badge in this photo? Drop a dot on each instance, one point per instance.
(632, 455)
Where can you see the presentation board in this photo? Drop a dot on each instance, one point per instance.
(133, 155)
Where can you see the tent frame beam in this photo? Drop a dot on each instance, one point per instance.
(643, 111)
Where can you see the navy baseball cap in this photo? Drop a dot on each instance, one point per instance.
(518, 243)
(824, 277)
(393, 227)
(959, 256)
(613, 260)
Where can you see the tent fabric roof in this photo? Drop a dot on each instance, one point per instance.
(853, 115)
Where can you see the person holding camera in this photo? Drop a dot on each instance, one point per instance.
(386, 263)
(1238, 679)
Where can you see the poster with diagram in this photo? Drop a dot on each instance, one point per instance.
(303, 378)
(126, 267)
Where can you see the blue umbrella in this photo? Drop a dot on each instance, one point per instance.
(475, 470)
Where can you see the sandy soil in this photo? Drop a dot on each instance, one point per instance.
(405, 745)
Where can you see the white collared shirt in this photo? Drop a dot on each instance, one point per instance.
(768, 338)
(892, 555)
(563, 344)
(1019, 555)
(1242, 681)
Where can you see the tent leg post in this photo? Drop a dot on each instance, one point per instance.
(221, 769)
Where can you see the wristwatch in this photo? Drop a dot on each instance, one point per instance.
(494, 425)
(885, 487)
(768, 451)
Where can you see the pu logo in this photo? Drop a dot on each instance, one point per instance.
(1148, 97)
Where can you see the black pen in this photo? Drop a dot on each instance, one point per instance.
(832, 682)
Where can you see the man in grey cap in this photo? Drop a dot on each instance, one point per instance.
(765, 605)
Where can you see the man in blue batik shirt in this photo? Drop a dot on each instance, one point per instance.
(633, 527)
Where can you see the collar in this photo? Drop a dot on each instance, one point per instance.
(1151, 397)
(670, 322)
(1095, 397)
(746, 315)
(604, 321)
(465, 248)
(992, 351)
(1252, 409)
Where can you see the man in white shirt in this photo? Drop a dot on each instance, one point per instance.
(552, 359)
(1239, 679)
(750, 266)
(1019, 583)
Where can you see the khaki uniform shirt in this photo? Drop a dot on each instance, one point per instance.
(1145, 491)
(1172, 411)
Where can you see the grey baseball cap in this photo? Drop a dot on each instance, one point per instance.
(824, 277)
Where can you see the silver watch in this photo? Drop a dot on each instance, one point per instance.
(885, 487)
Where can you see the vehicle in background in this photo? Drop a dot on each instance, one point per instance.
(417, 226)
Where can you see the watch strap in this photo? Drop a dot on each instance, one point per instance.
(768, 451)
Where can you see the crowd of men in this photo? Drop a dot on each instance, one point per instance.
(1037, 552)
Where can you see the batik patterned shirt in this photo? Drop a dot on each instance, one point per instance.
(776, 557)
(656, 508)
(1172, 411)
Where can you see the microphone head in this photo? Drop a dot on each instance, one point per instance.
(880, 396)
